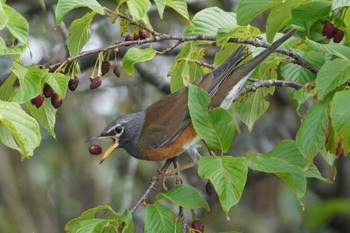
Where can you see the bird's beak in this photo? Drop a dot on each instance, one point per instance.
(114, 144)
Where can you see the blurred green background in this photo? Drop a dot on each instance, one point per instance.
(62, 179)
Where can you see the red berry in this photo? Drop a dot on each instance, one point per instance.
(197, 225)
(48, 91)
(338, 35)
(129, 38)
(56, 101)
(38, 101)
(136, 36)
(73, 83)
(143, 34)
(117, 71)
(95, 149)
(95, 82)
(106, 65)
(328, 30)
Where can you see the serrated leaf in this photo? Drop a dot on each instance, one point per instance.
(185, 196)
(45, 115)
(135, 55)
(79, 33)
(228, 175)
(332, 74)
(159, 218)
(252, 106)
(18, 25)
(340, 115)
(296, 73)
(311, 134)
(75, 224)
(58, 82)
(248, 9)
(210, 20)
(23, 128)
(65, 6)
(338, 50)
(216, 127)
(279, 16)
(138, 8)
(29, 82)
(179, 6)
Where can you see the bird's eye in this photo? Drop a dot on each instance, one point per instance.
(119, 130)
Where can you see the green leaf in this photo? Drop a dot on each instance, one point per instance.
(311, 134)
(160, 7)
(185, 70)
(29, 82)
(58, 82)
(6, 89)
(340, 3)
(65, 6)
(127, 219)
(252, 106)
(179, 6)
(332, 74)
(210, 20)
(279, 17)
(159, 218)
(338, 50)
(340, 115)
(18, 25)
(228, 175)
(135, 55)
(304, 16)
(296, 73)
(87, 216)
(138, 8)
(216, 127)
(92, 225)
(223, 34)
(248, 9)
(12, 51)
(45, 115)
(3, 16)
(287, 162)
(185, 196)
(23, 128)
(79, 33)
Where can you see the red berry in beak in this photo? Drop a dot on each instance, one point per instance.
(95, 150)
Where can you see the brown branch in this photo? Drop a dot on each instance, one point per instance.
(267, 83)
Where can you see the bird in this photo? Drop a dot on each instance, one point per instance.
(164, 130)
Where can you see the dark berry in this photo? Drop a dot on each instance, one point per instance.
(56, 101)
(143, 34)
(38, 101)
(209, 188)
(136, 36)
(48, 91)
(95, 82)
(73, 83)
(197, 225)
(328, 30)
(338, 35)
(129, 38)
(117, 71)
(95, 150)
(106, 65)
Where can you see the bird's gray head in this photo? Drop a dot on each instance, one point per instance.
(124, 132)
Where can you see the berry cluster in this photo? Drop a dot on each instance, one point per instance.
(48, 92)
(330, 31)
(96, 81)
(142, 34)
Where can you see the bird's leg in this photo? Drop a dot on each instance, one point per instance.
(178, 179)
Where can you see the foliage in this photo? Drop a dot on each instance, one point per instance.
(324, 128)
